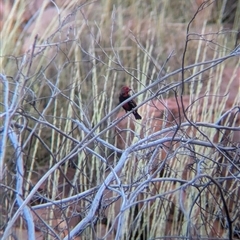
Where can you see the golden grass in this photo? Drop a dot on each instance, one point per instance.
(83, 54)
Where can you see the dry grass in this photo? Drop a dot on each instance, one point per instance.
(66, 64)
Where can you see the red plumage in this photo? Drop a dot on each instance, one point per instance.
(124, 94)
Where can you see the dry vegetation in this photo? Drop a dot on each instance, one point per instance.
(73, 165)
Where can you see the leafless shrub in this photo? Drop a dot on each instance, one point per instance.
(73, 166)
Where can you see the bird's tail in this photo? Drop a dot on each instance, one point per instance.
(136, 115)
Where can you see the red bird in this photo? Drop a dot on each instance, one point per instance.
(124, 94)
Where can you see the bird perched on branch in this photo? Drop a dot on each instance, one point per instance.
(124, 94)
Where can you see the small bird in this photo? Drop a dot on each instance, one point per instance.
(124, 94)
